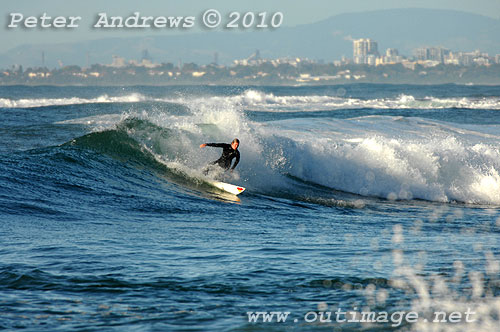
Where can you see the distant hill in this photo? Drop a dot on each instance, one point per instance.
(404, 29)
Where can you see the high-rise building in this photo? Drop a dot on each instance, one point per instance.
(363, 48)
(391, 57)
(145, 55)
(432, 53)
(391, 52)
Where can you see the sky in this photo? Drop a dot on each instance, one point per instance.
(294, 13)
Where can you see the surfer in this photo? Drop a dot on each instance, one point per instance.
(229, 152)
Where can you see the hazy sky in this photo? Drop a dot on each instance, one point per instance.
(294, 12)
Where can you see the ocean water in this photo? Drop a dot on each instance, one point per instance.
(379, 199)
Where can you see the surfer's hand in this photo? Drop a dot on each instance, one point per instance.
(202, 145)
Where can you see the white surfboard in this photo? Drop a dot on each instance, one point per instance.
(230, 188)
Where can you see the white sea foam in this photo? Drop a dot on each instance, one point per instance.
(475, 308)
(40, 102)
(269, 102)
(393, 158)
(96, 122)
(260, 101)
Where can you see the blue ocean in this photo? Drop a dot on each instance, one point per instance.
(367, 208)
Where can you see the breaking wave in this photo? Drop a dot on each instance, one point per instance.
(42, 102)
(389, 157)
(261, 101)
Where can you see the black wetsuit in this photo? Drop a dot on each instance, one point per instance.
(228, 154)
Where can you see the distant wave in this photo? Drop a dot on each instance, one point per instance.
(259, 101)
(271, 102)
(41, 102)
(254, 100)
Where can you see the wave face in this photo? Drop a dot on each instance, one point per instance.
(391, 157)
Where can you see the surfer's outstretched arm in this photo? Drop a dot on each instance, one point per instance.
(216, 145)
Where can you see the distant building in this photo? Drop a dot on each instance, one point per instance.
(482, 61)
(256, 60)
(468, 59)
(118, 62)
(391, 52)
(391, 57)
(453, 59)
(432, 53)
(497, 58)
(365, 51)
(252, 60)
(371, 60)
(146, 55)
(465, 59)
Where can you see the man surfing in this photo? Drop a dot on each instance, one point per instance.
(229, 152)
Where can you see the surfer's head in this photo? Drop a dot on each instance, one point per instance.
(235, 143)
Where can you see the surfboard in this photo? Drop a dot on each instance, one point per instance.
(230, 188)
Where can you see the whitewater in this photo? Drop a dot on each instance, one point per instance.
(361, 197)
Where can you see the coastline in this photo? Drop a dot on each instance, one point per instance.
(301, 75)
